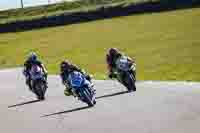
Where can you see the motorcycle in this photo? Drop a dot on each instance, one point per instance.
(82, 88)
(125, 73)
(38, 82)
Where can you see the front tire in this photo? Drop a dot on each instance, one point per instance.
(129, 81)
(40, 90)
(87, 98)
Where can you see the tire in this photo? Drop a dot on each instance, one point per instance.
(40, 90)
(94, 102)
(87, 99)
(129, 82)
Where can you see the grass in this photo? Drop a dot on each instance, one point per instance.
(166, 45)
(56, 9)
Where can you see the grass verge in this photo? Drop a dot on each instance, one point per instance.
(30, 13)
(166, 45)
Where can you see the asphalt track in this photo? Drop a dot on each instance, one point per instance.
(156, 107)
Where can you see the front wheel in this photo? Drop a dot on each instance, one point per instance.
(129, 81)
(87, 98)
(40, 90)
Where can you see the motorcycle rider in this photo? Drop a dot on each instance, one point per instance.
(112, 56)
(66, 67)
(33, 60)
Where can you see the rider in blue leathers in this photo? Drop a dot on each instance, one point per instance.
(66, 68)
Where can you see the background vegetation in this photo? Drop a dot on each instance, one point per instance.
(166, 45)
(68, 7)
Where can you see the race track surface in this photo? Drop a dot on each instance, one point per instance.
(156, 107)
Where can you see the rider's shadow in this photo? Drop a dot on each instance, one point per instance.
(23, 103)
(67, 111)
(112, 95)
(86, 107)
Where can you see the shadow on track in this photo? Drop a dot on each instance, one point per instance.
(111, 95)
(67, 111)
(24, 103)
(86, 107)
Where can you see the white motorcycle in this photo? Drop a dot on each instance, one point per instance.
(125, 73)
(38, 82)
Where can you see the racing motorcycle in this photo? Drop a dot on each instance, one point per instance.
(38, 82)
(82, 88)
(125, 73)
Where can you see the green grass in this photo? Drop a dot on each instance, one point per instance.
(166, 45)
(38, 12)
(57, 9)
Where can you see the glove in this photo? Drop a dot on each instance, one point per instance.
(88, 77)
(112, 75)
(67, 93)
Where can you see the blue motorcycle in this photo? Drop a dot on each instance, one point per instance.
(82, 88)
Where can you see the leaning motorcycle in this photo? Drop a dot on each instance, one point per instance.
(38, 82)
(82, 88)
(125, 73)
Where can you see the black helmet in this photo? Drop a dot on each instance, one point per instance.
(65, 65)
(113, 52)
(32, 56)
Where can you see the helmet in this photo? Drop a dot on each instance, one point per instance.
(32, 56)
(65, 65)
(113, 52)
